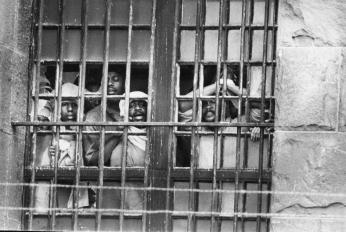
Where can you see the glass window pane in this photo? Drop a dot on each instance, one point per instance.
(72, 11)
(72, 45)
(96, 12)
(259, 11)
(50, 11)
(257, 45)
(251, 199)
(49, 44)
(256, 80)
(187, 45)
(227, 199)
(179, 224)
(95, 45)
(210, 45)
(189, 12)
(234, 37)
(181, 198)
(258, 16)
(212, 12)
(141, 45)
(118, 45)
(203, 225)
(142, 11)
(204, 199)
(120, 12)
(235, 11)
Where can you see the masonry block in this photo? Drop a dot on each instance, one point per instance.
(312, 163)
(342, 113)
(307, 88)
(312, 23)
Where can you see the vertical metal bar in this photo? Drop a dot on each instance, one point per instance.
(191, 217)
(126, 118)
(36, 92)
(149, 110)
(82, 71)
(103, 107)
(57, 111)
(263, 92)
(216, 149)
(238, 146)
(174, 112)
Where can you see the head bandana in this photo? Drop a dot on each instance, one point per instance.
(137, 140)
(134, 94)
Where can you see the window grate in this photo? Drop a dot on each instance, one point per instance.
(175, 52)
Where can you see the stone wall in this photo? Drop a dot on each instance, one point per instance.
(310, 141)
(15, 16)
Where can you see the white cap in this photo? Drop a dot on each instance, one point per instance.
(134, 94)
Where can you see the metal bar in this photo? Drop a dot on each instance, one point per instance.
(177, 174)
(104, 108)
(149, 111)
(80, 113)
(263, 92)
(238, 149)
(57, 111)
(220, 57)
(174, 114)
(36, 93)
(192, 185)
(126, 118)
(152, 124)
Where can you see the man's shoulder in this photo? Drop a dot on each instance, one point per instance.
(94, 114)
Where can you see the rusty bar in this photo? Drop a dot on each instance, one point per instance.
(103, 107)
(126, 117)
(152, 124)
(192, 185)
(216, 157)
(80, 113)
(263, 93)
(241, 79)
(149, 111)
(36, 86)
(57, 107)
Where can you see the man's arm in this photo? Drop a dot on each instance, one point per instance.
(207, 91)
(91, 143)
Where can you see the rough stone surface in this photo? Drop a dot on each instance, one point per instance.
(309, 162)
(342, 114)
(312, 23)
(307, 88)
(14, 52)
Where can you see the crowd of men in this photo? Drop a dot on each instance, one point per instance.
(47, 153)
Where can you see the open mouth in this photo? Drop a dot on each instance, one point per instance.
(209, 116)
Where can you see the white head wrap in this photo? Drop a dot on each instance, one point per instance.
(134, 94)
(69, 90)
(137, 140)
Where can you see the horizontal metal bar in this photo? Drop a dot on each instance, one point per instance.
(148, 124)
(178, 174)
(229, 62)
(97, 26)
(228, 27)
(137, 63)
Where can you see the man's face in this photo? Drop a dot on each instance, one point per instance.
(69, 110)
(115, 84)
(209, 112)
(138, 111)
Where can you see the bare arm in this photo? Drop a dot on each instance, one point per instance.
(207, 91)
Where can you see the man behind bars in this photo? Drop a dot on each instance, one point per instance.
(67, 145)
(91, 142)
(136, 145)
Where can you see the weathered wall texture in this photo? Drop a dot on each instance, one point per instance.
(310, 142)
(14, 43)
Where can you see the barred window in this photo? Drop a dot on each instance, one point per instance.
(151, 115)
